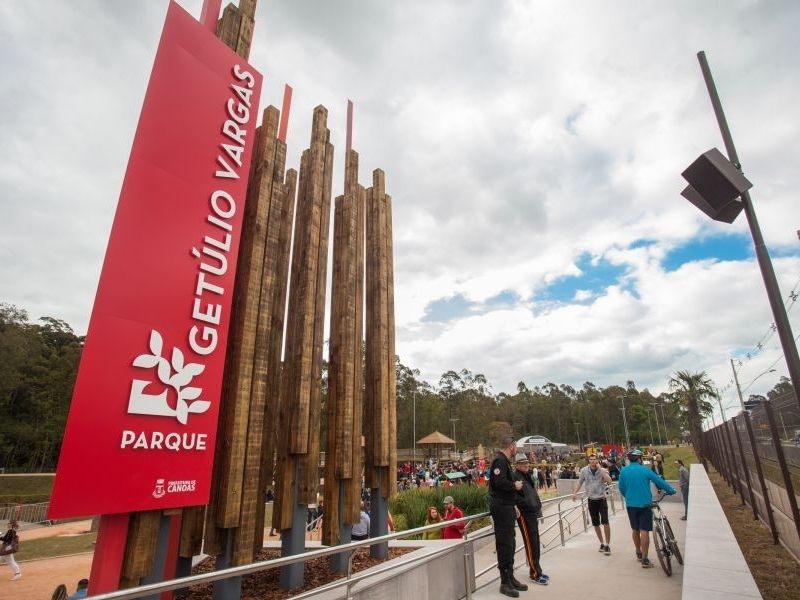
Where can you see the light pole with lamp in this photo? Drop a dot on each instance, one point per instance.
(664, 421)
(578, 433)
(455, 446)
(739, 389)
(415, 428)
(715, 183)
(650, 426)
(625, 423)
(658, 428)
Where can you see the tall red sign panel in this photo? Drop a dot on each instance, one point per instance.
(142, 425)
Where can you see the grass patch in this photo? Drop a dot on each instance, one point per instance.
(55, 546)
(25, 489)
(775, 571)
(684, 453)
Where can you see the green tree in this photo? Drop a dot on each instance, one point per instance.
(693, 391)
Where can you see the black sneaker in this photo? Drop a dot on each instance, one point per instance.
(646, 564)
(639, 556)
(602, 548)
(608, 550)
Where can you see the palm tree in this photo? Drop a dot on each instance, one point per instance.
(692, 390)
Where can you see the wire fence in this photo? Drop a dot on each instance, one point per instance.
(758, 455)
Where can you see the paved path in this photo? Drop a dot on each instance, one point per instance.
(578, 570)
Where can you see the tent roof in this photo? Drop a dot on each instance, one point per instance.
(436, 438)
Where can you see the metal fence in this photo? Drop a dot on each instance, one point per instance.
(757, 455)
(27, 513)
(566, 522)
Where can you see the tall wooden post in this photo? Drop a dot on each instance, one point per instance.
(298, 462)
(380, 422)
(343, 459)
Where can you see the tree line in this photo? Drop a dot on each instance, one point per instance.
(39, 361)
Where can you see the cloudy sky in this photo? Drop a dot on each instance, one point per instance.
(533, 151)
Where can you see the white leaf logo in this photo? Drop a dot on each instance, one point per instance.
(174, 374)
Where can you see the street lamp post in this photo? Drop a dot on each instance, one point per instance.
(415, 428)
(728, 213)
(453, 421)
(719, 401)
(578, 433)
(739, 387)
(650, 426)
(625, 423)
(658, 428)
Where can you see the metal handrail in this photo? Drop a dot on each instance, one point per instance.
(349, 581)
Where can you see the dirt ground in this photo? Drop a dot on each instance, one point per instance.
(777, 574)
(40, 577)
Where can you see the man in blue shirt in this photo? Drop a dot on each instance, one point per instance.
(634, 484)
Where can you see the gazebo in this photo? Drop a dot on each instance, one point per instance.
(436, 439)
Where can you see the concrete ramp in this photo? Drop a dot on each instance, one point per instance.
(578, 570)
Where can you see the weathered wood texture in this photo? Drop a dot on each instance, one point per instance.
(140, 547)
(343, 464)
(248, 401)
(380, 386)
(301, 378)
(235, 28)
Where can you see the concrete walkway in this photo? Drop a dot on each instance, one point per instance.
(578, 570)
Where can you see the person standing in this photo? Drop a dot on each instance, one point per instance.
(432, 517)
(596, 478)
(360, 530)
(634, 485)
(9, 544)
(683, 483)
(452, 512)
(503, 488)
(530, 509)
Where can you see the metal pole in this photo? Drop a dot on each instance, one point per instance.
(760, 473)
(734, 462)
(578, 433)
(719, 401)
(650, 426)
(738, 387)
(415, 430)
(764, 262)
(787, 480)
(785, 435)
(658, 427)
(744, 468)
(664, 421)
(625, 423)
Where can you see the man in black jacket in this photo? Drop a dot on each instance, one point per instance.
(503, 488)
(530, 511)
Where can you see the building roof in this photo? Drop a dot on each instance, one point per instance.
(436, 438)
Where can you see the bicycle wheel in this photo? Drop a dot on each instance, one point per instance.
(661, 550)
(673, 543)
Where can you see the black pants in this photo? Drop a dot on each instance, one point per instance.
(529, 527)
(504, 517)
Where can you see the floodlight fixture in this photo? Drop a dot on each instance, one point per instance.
(715, 186)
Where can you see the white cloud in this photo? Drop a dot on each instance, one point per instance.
(516, 137)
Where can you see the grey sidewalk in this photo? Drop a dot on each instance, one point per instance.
(578, 570)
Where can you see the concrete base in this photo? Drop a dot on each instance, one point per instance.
(715, 567)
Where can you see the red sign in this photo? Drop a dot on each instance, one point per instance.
(142, 424)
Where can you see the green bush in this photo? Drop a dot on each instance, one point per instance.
(413, 504)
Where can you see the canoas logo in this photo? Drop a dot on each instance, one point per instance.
(175, 376)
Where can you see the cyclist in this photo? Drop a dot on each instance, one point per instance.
(634, 485)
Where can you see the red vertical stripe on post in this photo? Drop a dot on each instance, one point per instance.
(349, 139)
(287, 105)
(111, 538)
(209, 15)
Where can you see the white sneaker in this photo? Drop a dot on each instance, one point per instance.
(17, 576)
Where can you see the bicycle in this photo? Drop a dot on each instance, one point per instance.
(664, 539)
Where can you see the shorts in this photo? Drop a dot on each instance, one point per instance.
(598, 511)
(641, 518)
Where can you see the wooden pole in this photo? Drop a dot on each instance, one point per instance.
(380, 386)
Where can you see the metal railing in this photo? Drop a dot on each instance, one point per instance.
(28, 513)
(565, 519)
